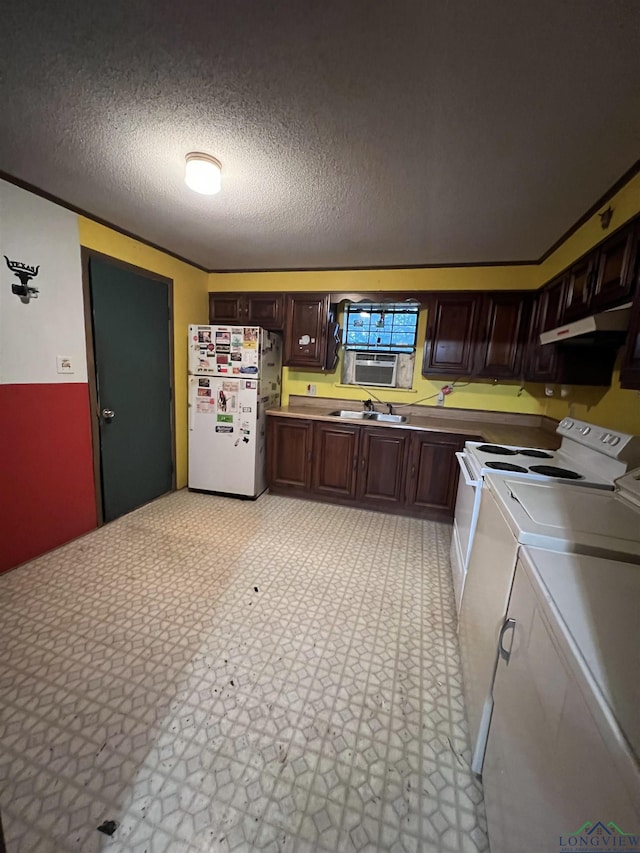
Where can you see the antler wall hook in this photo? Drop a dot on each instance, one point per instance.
(605, 217)
(25, 273)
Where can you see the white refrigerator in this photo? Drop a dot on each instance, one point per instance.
(235, 375)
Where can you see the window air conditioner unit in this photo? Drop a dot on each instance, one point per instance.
(376, 368)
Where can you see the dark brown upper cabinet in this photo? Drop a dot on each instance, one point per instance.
(579, 289)
(226, 308)
(475, 334)
(630, 367)
(502, 332)
(616, 268)
(604, 277)
(565, 363)
(306, 330)
(541, 360)
(449, 347)
(249, 309)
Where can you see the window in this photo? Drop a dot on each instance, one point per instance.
(383, 327)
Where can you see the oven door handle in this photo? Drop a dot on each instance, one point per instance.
(462, 462)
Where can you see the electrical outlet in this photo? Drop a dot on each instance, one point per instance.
(311, 390)
(63, 364)
(441, 398)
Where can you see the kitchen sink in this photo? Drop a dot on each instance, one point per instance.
(368, 416)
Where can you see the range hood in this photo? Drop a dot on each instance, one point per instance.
(608, 327)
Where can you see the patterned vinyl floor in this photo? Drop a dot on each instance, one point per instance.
(219, 675)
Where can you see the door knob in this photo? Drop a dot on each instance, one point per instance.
(108, 414)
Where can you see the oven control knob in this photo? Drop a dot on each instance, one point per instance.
(566, 423)
(614, 439)
(604, 438)
(585, 430)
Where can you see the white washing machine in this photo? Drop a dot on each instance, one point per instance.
(562, 766)
(514, 513)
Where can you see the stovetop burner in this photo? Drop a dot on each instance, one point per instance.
(506, 466)
(536, 454)
(553, 471)
(499, 451)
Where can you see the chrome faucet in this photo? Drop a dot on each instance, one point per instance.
(389, 408)
(368, 405)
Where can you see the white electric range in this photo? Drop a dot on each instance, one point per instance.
(516, 514)
(589, 456)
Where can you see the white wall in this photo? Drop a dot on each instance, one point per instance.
(40, 233)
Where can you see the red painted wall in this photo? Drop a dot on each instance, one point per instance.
(46, 468)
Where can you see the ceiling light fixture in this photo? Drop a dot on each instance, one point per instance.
(203, 173)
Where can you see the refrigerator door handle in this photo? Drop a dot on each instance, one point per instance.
(504, 654)
(192, 380)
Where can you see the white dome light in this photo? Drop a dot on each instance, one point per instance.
(203, 173)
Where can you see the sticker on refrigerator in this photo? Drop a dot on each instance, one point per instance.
(227, 428)
(245, 432)
(250, 383)
(205, 406)
(225, 419)
(204, 336)
(250, 338)
(250, 356)
(246, 409)
(204, 392)
(223, 338)
(228, 397)
(204, 383)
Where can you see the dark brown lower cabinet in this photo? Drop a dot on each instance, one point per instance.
(383, 454)
(289, 444)
(403, 471)
(335, 459)
(432, 478)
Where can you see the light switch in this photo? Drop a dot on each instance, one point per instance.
(63, 363)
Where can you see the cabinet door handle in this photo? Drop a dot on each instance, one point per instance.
(587, 289)
(364, 462)
(355, 463)
(413, 470)
(308, 456)
(504, 654)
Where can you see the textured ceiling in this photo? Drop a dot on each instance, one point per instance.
(351, 132)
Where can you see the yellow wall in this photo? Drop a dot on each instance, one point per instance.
(190, 305)
(613, 407)
(444, 278)
(507, 397)
(608, 407)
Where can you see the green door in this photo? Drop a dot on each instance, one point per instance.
(131, 333)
